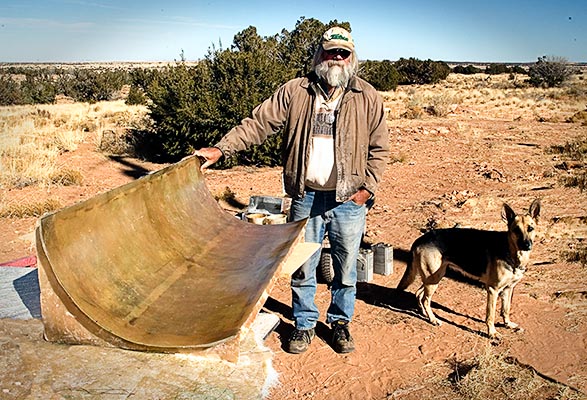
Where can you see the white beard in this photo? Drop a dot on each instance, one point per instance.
(334, 73)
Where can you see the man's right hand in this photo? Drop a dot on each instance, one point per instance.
(210, 154)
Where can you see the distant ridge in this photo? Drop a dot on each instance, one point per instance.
(105, 64)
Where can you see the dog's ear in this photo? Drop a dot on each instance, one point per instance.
(508, 214)
(534, 209)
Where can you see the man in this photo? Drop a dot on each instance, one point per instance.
(335, 149)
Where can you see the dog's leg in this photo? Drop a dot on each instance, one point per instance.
(506, 303)
(424, 302)
(425, 299)
(419, 296)
(492, 295)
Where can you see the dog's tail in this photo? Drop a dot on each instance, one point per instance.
(409, 274)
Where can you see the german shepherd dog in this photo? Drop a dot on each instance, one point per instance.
(495, 258)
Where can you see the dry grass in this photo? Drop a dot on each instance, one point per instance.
(32, 138)
(25, 210)
(493, 96)
(576, 255)
(497, 376)
(573, 155)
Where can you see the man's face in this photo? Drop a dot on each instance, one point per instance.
(335, 68)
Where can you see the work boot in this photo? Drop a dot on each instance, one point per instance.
(299, 340)
(342, 341)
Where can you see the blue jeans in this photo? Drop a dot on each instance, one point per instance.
(345, 224)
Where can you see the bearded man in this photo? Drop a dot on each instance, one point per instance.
(335, 150)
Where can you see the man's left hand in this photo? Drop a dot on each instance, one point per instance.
(361, 196)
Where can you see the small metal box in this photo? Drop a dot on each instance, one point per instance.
(382, 258)
(269, 205)
(365, 265)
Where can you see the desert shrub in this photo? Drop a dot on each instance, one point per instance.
(142, 77)
(38, 88)
(41, 86)
(297, 48)
(518, 69)
(414, 71)
(440, 105)
(31, 87)
(140, 80)
(578, 179)
(500, 68)
(194, 107)
(114, 142)
(578, 254)
(549, 71)
(415, 107)
(574, 151)
(9, 91)
(381, 74)
(497, 69)
(91, 85)
(242, 80)
(135, 96)
(181, 105)
(468, 70)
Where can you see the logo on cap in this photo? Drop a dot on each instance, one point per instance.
(338, 36)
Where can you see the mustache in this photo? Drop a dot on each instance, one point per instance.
(334, 63)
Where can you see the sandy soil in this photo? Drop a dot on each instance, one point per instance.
(458, 169)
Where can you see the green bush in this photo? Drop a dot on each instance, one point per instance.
(468, 70)
(91, 85)
(242, 80)
(182, 105)
(497, 69)
(10, 93)
(38, 88)
(517, 69)
(549, 72)
(140, 80)
(135, 96)
(414, 71)
(41, 86)
(381, 74)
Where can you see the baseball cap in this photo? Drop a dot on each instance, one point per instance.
(337, 38)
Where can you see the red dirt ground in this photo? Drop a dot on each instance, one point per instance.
(446, 171)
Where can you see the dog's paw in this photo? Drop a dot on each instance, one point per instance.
(513, 326)
(495, 340)
(494, 337)
(436, 322)
(492, 333)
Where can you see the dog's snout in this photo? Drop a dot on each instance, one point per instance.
(526, 245)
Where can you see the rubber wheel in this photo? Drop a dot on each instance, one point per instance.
(325, 266)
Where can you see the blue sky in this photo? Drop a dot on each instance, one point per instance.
(144, 30)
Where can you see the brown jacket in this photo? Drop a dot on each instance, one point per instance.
(361, 137)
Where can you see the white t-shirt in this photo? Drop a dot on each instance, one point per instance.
(321, 168)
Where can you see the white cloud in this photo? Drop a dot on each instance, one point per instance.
(179, 21)
(92, 4)
(36, 23)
